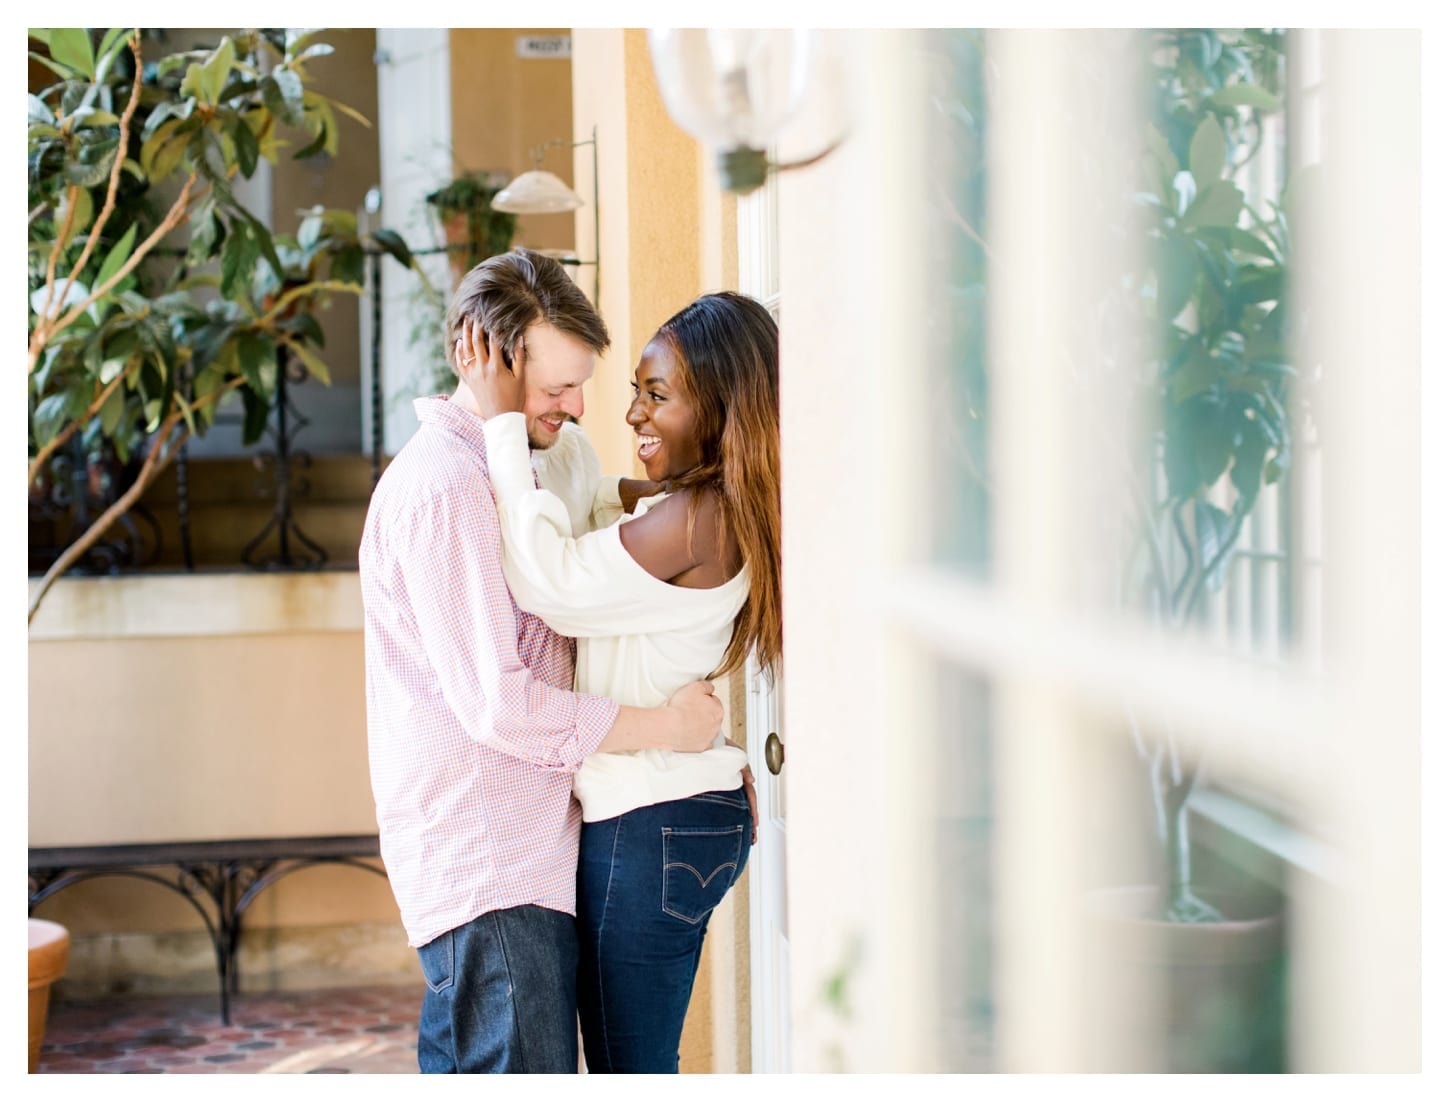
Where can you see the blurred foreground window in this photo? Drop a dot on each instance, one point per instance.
(1176, 699)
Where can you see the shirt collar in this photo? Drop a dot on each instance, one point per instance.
(440, 410)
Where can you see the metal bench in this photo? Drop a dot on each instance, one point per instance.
(219, 879)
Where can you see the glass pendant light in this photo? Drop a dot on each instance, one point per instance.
(734, 90)
(536, 192)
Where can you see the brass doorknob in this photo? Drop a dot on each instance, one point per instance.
(774, 753)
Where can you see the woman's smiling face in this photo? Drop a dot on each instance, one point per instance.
(662, 417)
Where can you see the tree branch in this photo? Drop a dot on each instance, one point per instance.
(38, 463)
(55, 250)
(94, 237)
(156, 460)
(174, 216)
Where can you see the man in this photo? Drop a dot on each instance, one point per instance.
(473, 732)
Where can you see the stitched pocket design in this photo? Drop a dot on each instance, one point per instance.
(437, 960)
(700, 864)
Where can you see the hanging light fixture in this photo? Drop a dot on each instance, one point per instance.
(537, 191)
(735, 90)
(540, 192)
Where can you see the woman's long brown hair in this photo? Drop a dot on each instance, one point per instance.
(727, 354)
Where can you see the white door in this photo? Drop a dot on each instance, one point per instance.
(769, 917)
(769, 928)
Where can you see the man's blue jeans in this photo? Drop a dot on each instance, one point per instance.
(648, 881)
(500, 995)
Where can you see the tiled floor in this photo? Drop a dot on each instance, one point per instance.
(370, 1029)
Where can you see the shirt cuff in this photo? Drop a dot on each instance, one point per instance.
(607, 495)
(596, 715)
(506, 439)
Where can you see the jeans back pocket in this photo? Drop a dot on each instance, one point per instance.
(700, 864)
(437, 960)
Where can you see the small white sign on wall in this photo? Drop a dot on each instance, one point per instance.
(542, 45)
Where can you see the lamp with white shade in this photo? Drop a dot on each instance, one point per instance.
(539, 192)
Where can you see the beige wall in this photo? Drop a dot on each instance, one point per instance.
(144, 728)
(349, 76)
(503, 105)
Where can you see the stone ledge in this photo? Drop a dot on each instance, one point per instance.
(156, 605)
(292, 958)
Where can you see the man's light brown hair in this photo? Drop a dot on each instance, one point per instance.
(509, 292)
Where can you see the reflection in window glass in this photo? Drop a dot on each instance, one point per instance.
(953, 411)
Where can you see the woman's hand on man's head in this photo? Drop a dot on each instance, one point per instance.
(495, 381)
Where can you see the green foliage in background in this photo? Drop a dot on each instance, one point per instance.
(154, 290)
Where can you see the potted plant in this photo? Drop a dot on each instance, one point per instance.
(1215, 389)
(132, 344)
(1218, 396)
(473, 230)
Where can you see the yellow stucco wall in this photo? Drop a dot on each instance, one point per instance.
(666, 235)
(650, 206)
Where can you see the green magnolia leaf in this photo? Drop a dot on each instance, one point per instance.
(39, 112)
(1195, 377)
(217, 69)
(170, 64)
(1278, 464)
(113, 42)
(1218, 206)
(1247, 475)
(50, 416)
(258, 411)
(282, 93)
(1163, 155)
(305, 327)
(348, 265)
(1207, 154)
(169, 156)
(246, 146)
(59, 70)
(119, 254)
(318, 145)
(95, 167)
(240, 254)
(1178, 271)
(152, 145)
(1213, 439)
(1245, 95)
(207, 232)
(1260, 285)
(71, 46)
(315, 366)
(85, 211)
(393, 244)
(263, 237)
(95, 117)
(207, 382)
(257, 360)
(111, 411)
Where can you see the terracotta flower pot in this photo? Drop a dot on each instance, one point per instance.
(1180, 997)
(49, 946)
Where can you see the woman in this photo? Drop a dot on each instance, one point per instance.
(681, 588)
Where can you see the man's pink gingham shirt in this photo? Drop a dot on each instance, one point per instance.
(473, 734)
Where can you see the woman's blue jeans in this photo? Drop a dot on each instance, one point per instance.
(648, 880)
(500, 994)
